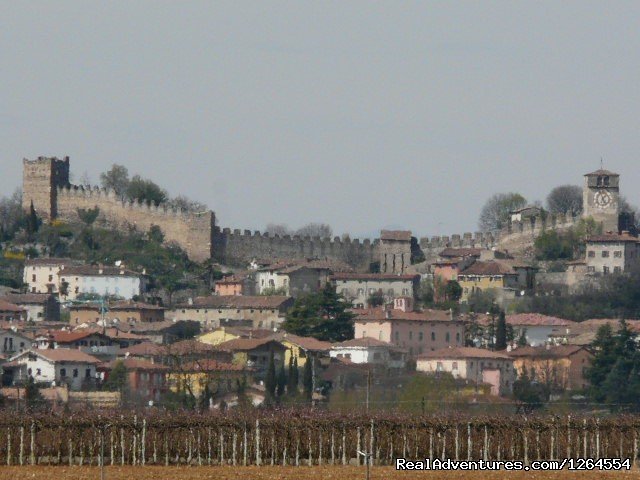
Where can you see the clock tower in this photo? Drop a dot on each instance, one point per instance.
(600, 198)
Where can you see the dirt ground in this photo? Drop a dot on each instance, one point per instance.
(286, 473)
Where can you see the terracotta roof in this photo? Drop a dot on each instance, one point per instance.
(51, 261)
(210, 365)
(26, 298)
(94, 271)
(62, 336)
(244, 332)
(602, 171)
(380, 315)
(137, 364)
(66, 355)
(143, 349)
(537, 319)
(306, 343)
(186, 347)
(243, 344)
(238, 301)
(398, 235)
(131, 305)
(10, 307)
(375, 277)
(464, 352)
(460, 252)
(613, 237)
(490, 267)
(362, 342)
(560, 351)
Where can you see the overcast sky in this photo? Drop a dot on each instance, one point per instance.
(358, 114)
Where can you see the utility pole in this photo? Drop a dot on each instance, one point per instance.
(368, 389)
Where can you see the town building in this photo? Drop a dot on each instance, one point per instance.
(236, 284)
(536, 327)
(223, 334)
(612, 253)
(296, 277)
(10, 312)
(146, 381)
(41, 274)
(264, 311)
(62, 366)
(255, 353)
(13, 341)
(561, 367)
(395, 251)
(127, 311)
(101, 280)
(303, 348)
(220, 377)
(417, 332)
(39, 306)
(475, 364)
(505, 278)
(359, 288)
(371, 351)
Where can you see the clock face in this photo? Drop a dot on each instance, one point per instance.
(602, 199)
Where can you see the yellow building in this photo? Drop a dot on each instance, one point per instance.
(488, 275)
(192, 377)
(224, 334)
(302, 348)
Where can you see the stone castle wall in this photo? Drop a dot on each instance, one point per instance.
(192, 231)
(238, 247)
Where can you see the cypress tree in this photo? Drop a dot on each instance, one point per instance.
(270, 379)
(281, 381)
(307, 379)
(501, 332)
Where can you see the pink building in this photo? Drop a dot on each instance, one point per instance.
(417, 332)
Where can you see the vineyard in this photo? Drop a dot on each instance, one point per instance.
(297, 438)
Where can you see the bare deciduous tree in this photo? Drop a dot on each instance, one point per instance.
(315, 230)
(565, 199)
(495, 213)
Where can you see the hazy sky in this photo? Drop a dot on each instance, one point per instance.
(358, 114)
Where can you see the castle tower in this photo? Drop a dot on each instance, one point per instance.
(40, 181)
(395, 251)
(601, 198)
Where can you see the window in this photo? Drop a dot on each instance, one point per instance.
(410, 335)
(405, 291)
(376, 355)
(75, 373)
(87, 373)
(591, 253)
(33, 278)
(63, 372)
(433, 336)
(605, 254)
(448, 337)
(617, 269)
(38, 371)
(605, 270)
(421, 336)
(458, 337)
(455, 365)
(397, 336)
(364, 333)
(439, 366)
(617, 254)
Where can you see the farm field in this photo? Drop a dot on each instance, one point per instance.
(285, 473)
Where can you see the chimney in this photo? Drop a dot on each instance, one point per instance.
(190, 301)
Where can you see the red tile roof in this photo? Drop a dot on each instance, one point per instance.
(613, 238)
(490, 267)
(62, 336)
(143, 349)
(464, 352)
(363, 342)
(71, 355)
(244, 344)
(10, 307)
(306, 343)
(137, 364)
(95, 271)
(560, 351)
(375, 277)
(131, 305)
(380, 315)
(602, 171)
(238, 301)
(189, 347)
(461, 252)
(26, 298)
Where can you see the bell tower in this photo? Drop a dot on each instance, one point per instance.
(601, 198)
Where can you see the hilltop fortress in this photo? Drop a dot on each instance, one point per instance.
(46, 184)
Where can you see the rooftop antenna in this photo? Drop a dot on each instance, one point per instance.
(601, 163)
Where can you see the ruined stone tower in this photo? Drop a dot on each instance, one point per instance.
(41, 180)
(395, 251)
(601, 198)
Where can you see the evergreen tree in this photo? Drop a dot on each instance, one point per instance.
(205, 398)
(307, 379)
(295, 379)
(33, 222)
(292, 384)
(501, 332)
(270, 379)
(117, 379)
(323, 315)
(281, 381)
(604, 358)
(32, 395)
(522, 339)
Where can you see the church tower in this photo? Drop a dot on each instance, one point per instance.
(601, 198)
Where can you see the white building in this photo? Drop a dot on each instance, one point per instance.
(62, 366)
(101, 280)
(369, 350)
(358, 288)
(12, 342)
(41, 274)
(475, 364)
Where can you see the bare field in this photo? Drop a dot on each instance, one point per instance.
(286, 473)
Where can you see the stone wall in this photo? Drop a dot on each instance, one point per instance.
(238, 247)
(192, 231)
(40, 180)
